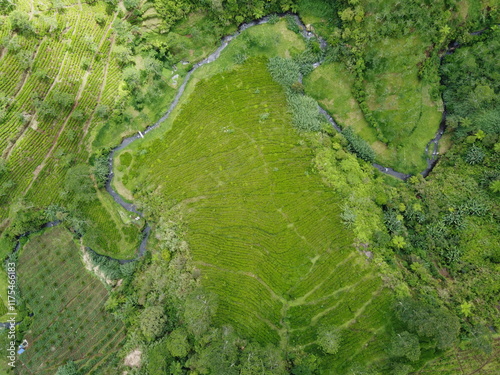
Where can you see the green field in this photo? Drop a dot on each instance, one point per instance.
(69, 321)
(402, 104)
(262, 227)
(331, 85)
(406, 109)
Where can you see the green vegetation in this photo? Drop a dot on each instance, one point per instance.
(59, 72)
(275, 246)
(69, 321)
(259, 215)
(464, 361)
(391, 53)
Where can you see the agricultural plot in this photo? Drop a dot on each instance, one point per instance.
(262, 227)
(331, 85)
(69, 321)
(54, 79)
(406, 109)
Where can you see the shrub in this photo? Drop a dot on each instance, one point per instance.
(284, 71)
(85, 64)
(474, 155)
(239, 58)
(305, 112)
(101, 170)
(102, 111)
(291, 24)
(358, 145)
(329, 340)
(405, 344)
(110, 267)
(152, 322)
(177, 343)
(100, 19)
(62, 100)
(495, 186)
(273, 19)
(401, 369)
(67, 369)
(20, 22)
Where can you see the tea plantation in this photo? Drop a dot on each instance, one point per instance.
(264, 239)
(262, 227)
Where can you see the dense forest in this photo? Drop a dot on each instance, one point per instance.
(321, 196)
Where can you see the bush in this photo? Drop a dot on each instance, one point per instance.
(291, 24)
(305, 112)
(405, 344)
(273, 19)
(101, 170)
(20, 22)
(152, 322)
(67, 369)
(102, 111)
(110, 267)
(474, 155)
(100, 19)
(177, 343)
(358, 145)
(284, 71)
(329, 340)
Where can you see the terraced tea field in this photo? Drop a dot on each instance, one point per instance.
(69, 321)
(54, 78)
(262, 227)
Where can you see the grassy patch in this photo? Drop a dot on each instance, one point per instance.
(69, 321)
(263, 228)
(113, 231)
(402, 105)
(399, 101)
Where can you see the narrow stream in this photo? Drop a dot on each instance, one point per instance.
(214, 56)
(432, 145)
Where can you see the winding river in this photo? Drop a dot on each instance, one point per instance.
(214, 56)
(432, 145)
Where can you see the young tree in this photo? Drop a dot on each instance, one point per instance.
(405, 344)
(152, 322)
(199, 309)
(20, 22)
(177, 343)
(329, 340)
(67, 369)
(79, 182)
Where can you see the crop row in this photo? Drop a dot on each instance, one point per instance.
(262, 210)
(32, 149)
(74, 325)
